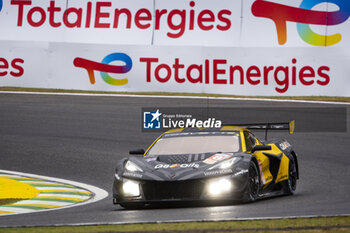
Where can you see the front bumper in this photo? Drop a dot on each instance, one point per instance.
(183, 191)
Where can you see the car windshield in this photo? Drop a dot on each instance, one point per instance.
(195, 144)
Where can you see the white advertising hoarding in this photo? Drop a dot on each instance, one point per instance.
(250, 47)
(234, 71)
(227, 23)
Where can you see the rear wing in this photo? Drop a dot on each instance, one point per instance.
(287, 126)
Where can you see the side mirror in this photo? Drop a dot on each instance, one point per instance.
(260, 147)
(137, 152)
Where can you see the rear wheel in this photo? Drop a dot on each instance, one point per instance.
(253, 182)
(289, 186)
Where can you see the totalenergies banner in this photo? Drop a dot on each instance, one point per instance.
(275, 47)
(131, 68)
(183, 22)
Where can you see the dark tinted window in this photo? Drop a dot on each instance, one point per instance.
(249, 140)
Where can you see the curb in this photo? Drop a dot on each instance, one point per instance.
(51, 193)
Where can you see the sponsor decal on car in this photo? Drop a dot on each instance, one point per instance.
(217, 157)
(151, 159)
(184, 165)
(262, 177)
(217, 172)
(131, 174)
(284, 145)
(241, 172)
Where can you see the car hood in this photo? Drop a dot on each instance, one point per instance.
(178, 167)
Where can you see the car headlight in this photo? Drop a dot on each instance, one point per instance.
(219, 186)
(132, 167)
(131, 188)
(225, 164)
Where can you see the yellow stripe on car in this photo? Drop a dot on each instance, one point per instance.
(283, 172)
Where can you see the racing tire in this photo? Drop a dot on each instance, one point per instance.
(132, 206)
(253, 182)
(289, 186)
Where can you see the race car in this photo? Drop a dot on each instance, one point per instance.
(208, 164)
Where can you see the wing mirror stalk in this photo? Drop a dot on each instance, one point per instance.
(137, 152)
(260, 147)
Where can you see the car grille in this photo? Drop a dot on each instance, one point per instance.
(161, 190)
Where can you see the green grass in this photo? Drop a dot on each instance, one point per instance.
(312, 98)
(323, 224)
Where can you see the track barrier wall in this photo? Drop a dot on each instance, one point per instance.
(250, 47)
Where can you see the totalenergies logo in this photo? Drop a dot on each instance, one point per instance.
(105, 68)
(304, 16)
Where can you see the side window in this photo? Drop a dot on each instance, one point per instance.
(250, 141)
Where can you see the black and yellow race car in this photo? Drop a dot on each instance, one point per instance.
(208, 164)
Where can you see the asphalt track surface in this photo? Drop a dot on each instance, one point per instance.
(80, 138)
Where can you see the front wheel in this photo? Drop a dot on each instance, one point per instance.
(253, 182)
(289, 186)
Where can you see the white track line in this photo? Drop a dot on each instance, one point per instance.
(15, 210)
(63, 195)
(43, 202)
(37, 182)
(175, 97)
(186, 220)
(59, 188)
